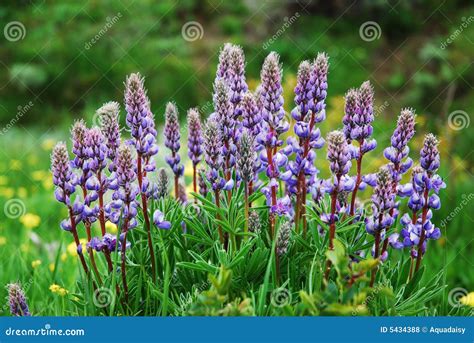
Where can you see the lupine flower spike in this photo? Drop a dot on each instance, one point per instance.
(246, 168)
(124, 202)
(172, 142)
(195, 142)
(212, 150)
(383, 201)
(109, 124)
(340, 163)
(17, 301)
(141, 123)
(273, 125)
(64, 182)
(361, 131)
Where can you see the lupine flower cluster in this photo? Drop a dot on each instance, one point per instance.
(242, 144)
(17, 301)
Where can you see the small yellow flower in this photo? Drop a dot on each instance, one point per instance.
(54, 288)
(35, 263)
(62, 291)
(63, 257)
(22, 192)
(25, 247)
(38, 175)
(72, 248)
(15, 165)
(111, 227)
(188, 169)
(51, 267)
(468, 299)
(7, 192)
(3, 240)
(30, 220)
(47, 184)
(48, 144)
(3, 180)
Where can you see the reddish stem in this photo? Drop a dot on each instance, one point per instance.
(332, 227)
(422, 236)
(359, 178)
(76, 239)
(146, 218)
(195, 181)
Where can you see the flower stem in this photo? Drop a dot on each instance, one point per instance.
(358, 180)
(332, 227)
(422, 235)
(76, 239)
(145, 215)
(195, 181)
(124, 247)
(219, 229)
(246, 199)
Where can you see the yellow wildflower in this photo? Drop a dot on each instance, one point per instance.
(35, 263)
(47, 183)
(7, 192)
(63, 257)
(62, 291)
(111, 227)
(30, 220)
(15, 165)
(22, 192)
(3, 240)
(3, 180)
(54, 288)
(468, 299)
(48, 144)
(39, 175)
(72, 248)
(51, 267)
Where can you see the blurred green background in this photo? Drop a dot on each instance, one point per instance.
(69, 57)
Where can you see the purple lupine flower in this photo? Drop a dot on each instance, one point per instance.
(397, 154)
(350, 111)
(79, 149)
(382, 202)
(302, 172)
(162, 185)
(364, 117)
(273, 125)
(213, 154)
(223, 67)
(159, 220)
(106, 243)
(226, 122)
(109, 124)
(63, 177)
(251, 118)
(17, 301)
(195, 139)
(340, 163)
(123, 207)
(237, 85)
(319, 79)
(172, 139)
(429, 155)
(246, 157)
(96, 148)
(140, 120)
